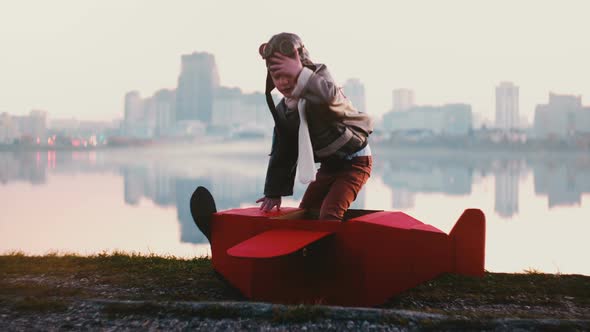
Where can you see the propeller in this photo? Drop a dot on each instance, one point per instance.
(202, 208)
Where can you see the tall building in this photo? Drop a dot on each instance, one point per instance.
(151, 116)
(236, 111)
(38, 123)
(355, 92)
(562, 117)
(197, 83)
(255, 104)
(8, 129)
(164, 102)
(133, 111)
(33, 125)
(507, 106)
(403, 99)
(227, 108)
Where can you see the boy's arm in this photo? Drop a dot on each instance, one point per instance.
(280, 175)
(317, 87)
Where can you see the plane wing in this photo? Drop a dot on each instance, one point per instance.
(276, 243)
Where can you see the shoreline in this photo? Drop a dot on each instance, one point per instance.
(121, 290)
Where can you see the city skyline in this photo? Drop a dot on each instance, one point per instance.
(63, 58)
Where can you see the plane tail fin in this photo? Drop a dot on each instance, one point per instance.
(468, 237)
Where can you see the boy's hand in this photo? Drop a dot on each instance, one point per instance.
(268, 203)
(284, 65)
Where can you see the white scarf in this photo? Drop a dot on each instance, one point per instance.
(305, 163)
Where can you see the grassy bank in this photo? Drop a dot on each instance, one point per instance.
(51, 282)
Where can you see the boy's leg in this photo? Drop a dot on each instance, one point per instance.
(316, 192)
(345, 188)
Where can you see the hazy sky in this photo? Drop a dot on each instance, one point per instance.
(78, 58)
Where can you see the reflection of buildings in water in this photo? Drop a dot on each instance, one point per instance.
(229, 189)
(563, 182)
(133, 185)
(184, 189)
(33, 166)
(405, 177)
(30, 167)
(151, 183)
(506, 193)
(234, 189)
(71, 162)
(507, 177)
(164, 190)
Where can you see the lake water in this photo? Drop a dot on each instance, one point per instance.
(136, 199)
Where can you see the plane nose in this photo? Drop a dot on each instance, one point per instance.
(202, 206)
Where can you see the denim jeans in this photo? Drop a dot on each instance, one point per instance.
(337, 184)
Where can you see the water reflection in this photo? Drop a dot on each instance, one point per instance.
(562, 182)
(166, 177)
(507, 175)
(22, 167)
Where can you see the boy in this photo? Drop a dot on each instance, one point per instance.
(313, 122)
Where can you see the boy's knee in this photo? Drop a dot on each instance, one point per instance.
(332, 214)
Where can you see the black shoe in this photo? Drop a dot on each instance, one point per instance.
(202, 207)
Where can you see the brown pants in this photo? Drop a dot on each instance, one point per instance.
(336, 186)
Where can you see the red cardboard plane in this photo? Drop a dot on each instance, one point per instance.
(282, 256)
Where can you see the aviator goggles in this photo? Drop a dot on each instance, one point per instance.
(285, 47)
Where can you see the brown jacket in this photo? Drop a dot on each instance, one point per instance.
(336, 128)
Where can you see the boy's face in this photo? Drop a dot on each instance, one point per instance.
(284, 84)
